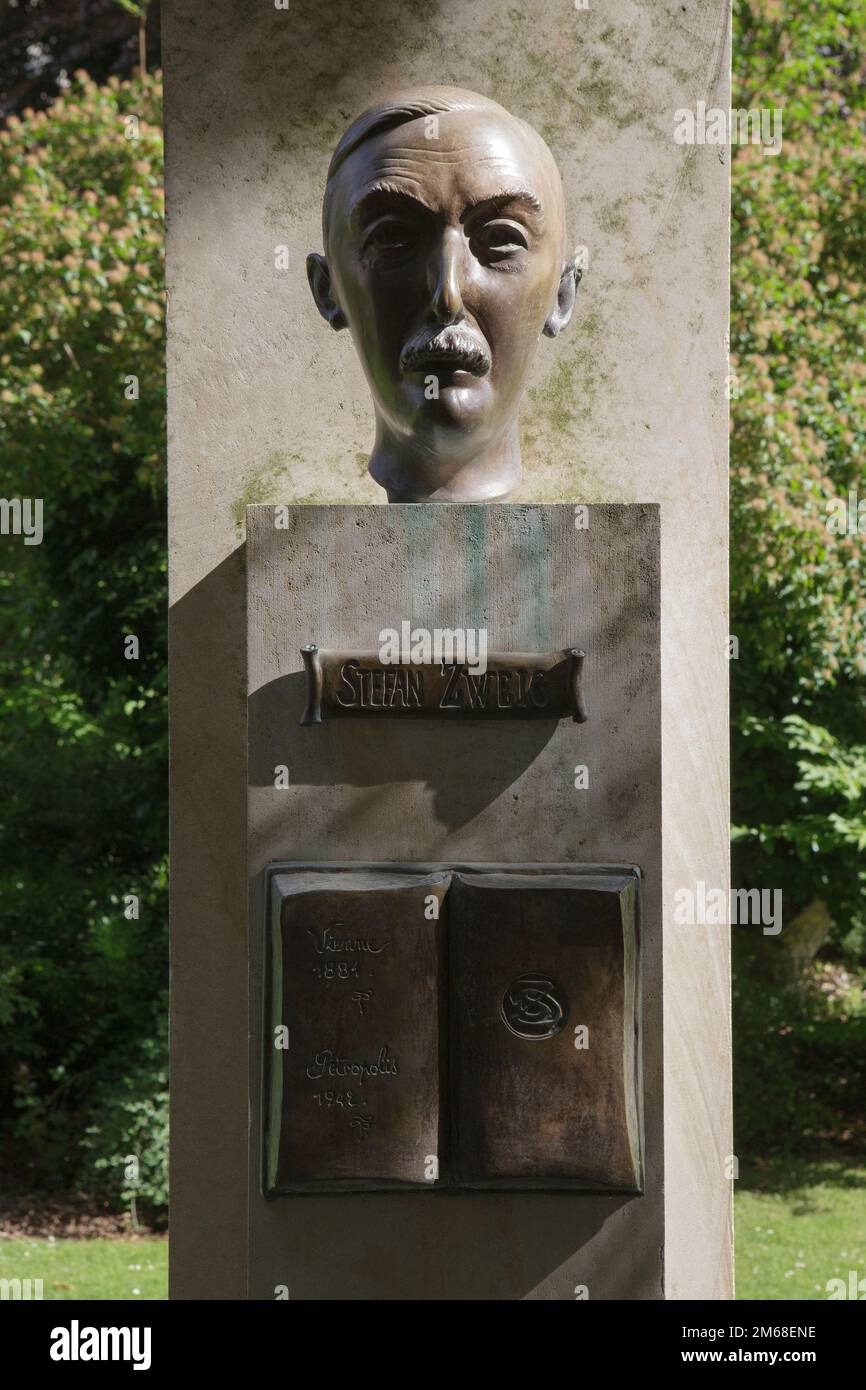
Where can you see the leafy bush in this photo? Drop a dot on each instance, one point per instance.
(83, 758)
(128, 1136)
(817, 837)
(798, 340)
(799, 1064)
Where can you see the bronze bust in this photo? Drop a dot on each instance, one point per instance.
(445, 256)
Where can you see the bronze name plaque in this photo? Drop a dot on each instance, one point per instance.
(446, 1026)
(512, 685)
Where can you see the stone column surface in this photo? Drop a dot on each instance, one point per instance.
(266, 405)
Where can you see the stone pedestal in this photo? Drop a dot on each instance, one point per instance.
(547, 1114)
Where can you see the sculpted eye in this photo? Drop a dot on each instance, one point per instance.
(390, 235)
(496, 240)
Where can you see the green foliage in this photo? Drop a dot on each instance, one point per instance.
(817, 837)
(799, 1062)
(131, 1121)
(798, 342)
(83, 758)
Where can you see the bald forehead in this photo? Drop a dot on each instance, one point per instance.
(468, 155)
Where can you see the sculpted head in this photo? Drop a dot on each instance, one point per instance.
(445, 255)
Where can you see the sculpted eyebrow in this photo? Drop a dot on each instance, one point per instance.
(496, 201)
(379, 198)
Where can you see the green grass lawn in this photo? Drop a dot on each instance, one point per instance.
(799, 1223)
(134, 1268)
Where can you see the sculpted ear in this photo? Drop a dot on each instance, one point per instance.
(319, 277)
(565, 296)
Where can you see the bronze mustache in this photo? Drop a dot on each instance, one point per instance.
(454, 349)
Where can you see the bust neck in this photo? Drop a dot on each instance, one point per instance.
(412, 475)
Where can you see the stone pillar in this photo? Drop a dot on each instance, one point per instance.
(264, 407)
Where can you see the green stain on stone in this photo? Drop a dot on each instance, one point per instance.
(262, 486)
(478, 568)
(554, 406)
(465, 590)
(532, 558)
(420, 531)
(611, 216)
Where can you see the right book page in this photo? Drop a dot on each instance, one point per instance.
(544, 1030)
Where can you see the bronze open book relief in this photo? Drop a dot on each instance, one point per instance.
(452, 1026)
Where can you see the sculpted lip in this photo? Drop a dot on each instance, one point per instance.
(447, 362)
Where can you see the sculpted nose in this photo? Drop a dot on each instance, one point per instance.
(447, 301)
